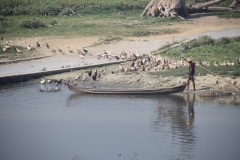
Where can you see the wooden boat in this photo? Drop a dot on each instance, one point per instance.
(139, 91)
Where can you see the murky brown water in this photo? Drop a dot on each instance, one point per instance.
(64, 125)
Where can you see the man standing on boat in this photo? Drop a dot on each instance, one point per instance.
(191, 72)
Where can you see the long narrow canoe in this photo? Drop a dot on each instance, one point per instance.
(147, 91)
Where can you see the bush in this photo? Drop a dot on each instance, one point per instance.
(201, 41)
(235, 39)
(222, 41)
(191, 44)
(67, 12)
(34, 23)
(53, 22)
(205, 40)
(51, 10)
(20, 10)
(2, 28)
(6, 11)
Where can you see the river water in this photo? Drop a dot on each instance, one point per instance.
(64, 126)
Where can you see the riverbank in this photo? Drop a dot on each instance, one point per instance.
(216, 28)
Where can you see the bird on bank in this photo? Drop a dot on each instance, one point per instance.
(53, 50)
(47, 46)
(104, 71)
(94, 77)
(4, 48)
(99, 75)
(90, 73)
(70, 50)
(96, 73)
(114, 71)
(16, 49)
(37, 44)
(6, 42)
(29, 47)
(84, 50)
(59, 50)
(105, 52)
(117, 57)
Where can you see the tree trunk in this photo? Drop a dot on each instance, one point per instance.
(205, 7)
(234, 4)
(199, 7)
(164, 8)
(175, 8)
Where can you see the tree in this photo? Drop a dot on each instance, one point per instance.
(179, 9)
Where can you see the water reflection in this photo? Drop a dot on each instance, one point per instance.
(119, 98)
(223, 100)
(190, 104)
(175, 117)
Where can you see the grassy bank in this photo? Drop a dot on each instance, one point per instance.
(102, 25)
(206, 50)
(216, 50)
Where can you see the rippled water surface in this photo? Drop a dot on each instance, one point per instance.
(64, 126)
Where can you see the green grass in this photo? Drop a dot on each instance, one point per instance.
(127, 24)
(216, 50)
(229, 15)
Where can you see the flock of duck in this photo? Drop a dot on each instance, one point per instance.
(56, 83)
(90, 73)
(141, 60)
(6, 46)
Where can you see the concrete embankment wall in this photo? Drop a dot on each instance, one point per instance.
(35, 75)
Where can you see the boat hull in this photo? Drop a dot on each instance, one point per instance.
(134, 91)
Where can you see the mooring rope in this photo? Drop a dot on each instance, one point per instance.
(216, 75)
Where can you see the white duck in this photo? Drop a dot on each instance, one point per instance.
(5, 48)
(42, 81)
(29, 48)
(18, 50)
